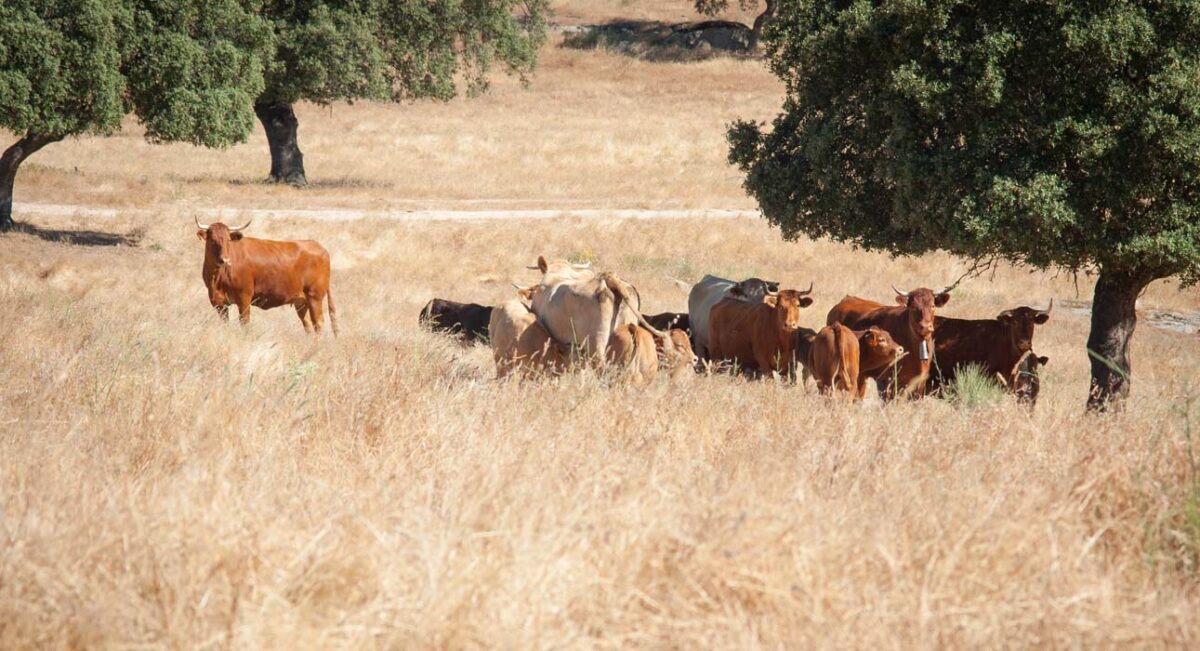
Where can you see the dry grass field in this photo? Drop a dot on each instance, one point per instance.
(593, 130)
(171, 481)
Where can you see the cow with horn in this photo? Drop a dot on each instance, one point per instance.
(245, 271)
(911, 324)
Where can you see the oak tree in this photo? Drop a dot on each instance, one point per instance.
(1054, 133)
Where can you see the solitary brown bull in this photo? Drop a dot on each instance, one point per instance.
(245, 271)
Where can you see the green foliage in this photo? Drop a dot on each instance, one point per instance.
(188, 70)
(335, 50)
(195, 69)
(1051, 132)
(60, 66)
(974, 387)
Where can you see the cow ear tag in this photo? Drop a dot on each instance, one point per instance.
(924, 350)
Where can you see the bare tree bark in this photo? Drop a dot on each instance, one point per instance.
(10, 162)
(1114, 317)
(760, 23)
(287, 161)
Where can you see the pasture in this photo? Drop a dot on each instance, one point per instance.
(169, 480)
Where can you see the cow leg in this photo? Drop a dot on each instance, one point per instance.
(315, 313)
(302, 312)
(243, 305)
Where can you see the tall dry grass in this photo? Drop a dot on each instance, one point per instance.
(168, 480)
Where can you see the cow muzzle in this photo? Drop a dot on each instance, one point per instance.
(222, 262)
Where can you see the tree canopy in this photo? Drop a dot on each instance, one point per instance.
(327, 51)
(188, 71)
(1054, 133)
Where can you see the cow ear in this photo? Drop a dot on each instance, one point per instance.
(202, 234)
(1005, 317)
(235, 236)
(1043, 359)
(542, 263)
(805, 301)
(903, 300)
(941, 299)
(1041, 318)
(771, 299)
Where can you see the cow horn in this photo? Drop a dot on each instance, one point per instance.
(1051, 307)
(533, 266)
(581, 265)
(202, 227)
(807, 291)
(898, 291)
(235, 229)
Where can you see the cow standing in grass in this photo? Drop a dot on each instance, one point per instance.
(757, 336)
(911, 324)
(996, 345)
(245, 271)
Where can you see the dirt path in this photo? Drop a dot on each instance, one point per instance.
(340, 214)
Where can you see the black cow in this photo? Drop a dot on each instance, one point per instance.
(671, 321)
(470, 320)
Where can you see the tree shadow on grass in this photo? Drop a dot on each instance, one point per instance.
(81, 237)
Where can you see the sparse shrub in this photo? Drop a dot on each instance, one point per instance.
(973, 387)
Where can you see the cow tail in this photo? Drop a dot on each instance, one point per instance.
(618, 289)
(332, 311)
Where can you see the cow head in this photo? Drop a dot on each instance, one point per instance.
(921, 304)
(218, 240)
(787, 304)
(754, 290)
(675, 350)
(1026, 381)
(559, 267)
(877, 349)
(1020, 323)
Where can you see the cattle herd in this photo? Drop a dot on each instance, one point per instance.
(576, 316)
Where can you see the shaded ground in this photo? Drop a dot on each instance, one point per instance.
(659, 41)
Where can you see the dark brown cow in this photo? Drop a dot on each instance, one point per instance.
(911, 324)
(670, 321)
(467, 319)
(995, 345)
(245, 271)
(757, 336)
(837, 356)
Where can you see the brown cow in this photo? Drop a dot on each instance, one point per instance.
(833, 360)
(245, 271)
(911, 324)
(1026, 381)
(676, 353)
(996, 344)
(757, 336)
(520, 344)
(632, 348)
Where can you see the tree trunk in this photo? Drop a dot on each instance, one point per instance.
(760, 22)
(279, 121)
(1113, 321)
(9, 163)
